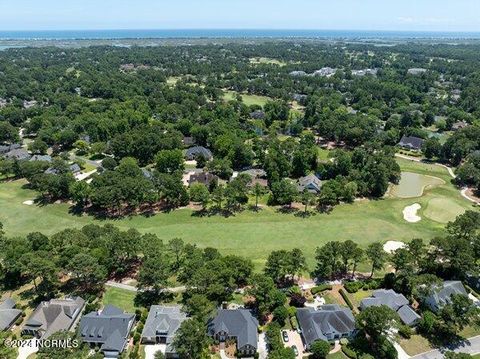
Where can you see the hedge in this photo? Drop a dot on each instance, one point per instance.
(320, 288)
(349, 352)
(353, 287)
(345, 297)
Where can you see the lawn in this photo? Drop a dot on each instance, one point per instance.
(121, 298)
(250, 234)
(266, 61)
(415, 345)
(247, 99)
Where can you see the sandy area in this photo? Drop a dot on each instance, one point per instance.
(28, 203)
(410, 213)
(392, 246)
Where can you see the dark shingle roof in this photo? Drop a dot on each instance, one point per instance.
(317, 324)
(109, 328)
(44, 158)
(18, 154)
(202, 177)
(7, 148)
(412, 142)
(193, 152)
(389, 298)
(311, 182)
(239, 323)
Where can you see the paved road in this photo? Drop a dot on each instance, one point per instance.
(469, 346)
(135, 289)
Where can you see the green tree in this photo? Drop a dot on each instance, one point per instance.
(284, 192)
(87, 271)
(257, 191)
(191, 340)
(377, 321)
(319, 349)
(377, 256)
(169, 161)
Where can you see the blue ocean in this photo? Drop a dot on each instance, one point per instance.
(225, 33)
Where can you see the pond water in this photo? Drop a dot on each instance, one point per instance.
(412, 185)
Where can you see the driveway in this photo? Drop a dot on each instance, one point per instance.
(262, 347)
(25, 351)
(294, 338)
(150, 350)
(470, 346)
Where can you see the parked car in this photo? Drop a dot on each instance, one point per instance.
(295, 350)
(285, 336)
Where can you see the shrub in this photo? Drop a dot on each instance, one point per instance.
(19, 320)
(353, 287)
(349, 352)
(292, 311)
(344, 341)
(405, 331)
(346, 298)
(280, 315)
(320, 288)
(136, 338)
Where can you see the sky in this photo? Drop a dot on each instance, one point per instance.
(398, 15)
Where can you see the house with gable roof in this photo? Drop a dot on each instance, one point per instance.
(109, 329)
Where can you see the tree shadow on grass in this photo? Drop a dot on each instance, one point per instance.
(287, 210)
(148, 298)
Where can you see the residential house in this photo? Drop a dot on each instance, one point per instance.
(416, 71)
(193, 152)
(394, 301)
(202, 177)
(18, 154)
(257, 115)
(54, 316)
(328, 322)
(459, 125)
(298, 73)
(188, 141)
(161, 325)
(325, 72)
(365, 72)
(441, 295)
(311, 183)
(8, 314)
(7, 148)
(42, 158)
(237, 324)
(411, 143)
(109, 329)
(257, 175)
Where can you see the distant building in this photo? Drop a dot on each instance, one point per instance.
(325, 72)
(394, 301)
(8, 314)
(416, 71)
(193, 152)
(299, 97)
(365, 72)
(442, 295)
(18, 154)
(238, 324)
(7, 148)
(257, 115)
(54, 316)
(188, 141)
(161, 326)
(298, 73)
(108, 329)
(459, 125)
(311, 183)
(411, 143)
(329, 322)
(42, 158)
(202, 177)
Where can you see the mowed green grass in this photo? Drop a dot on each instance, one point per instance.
(246, 98)
(250, 234)
(121, 298)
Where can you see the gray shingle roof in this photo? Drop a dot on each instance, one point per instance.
(411, 142)
(408, 315)
(44, 158)
(327, 319)
(7, 148)
(442, 295)
(193, 152)
(53, 316)
(8, 314)
(389, 298)
(109, 328)
(18, 154)
(163, 321)
(311, 182)
(238, 323)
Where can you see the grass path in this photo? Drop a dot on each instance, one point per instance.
(251, 234)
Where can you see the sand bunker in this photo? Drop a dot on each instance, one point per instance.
(392, 246)
(28, 203)
(410, 213)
